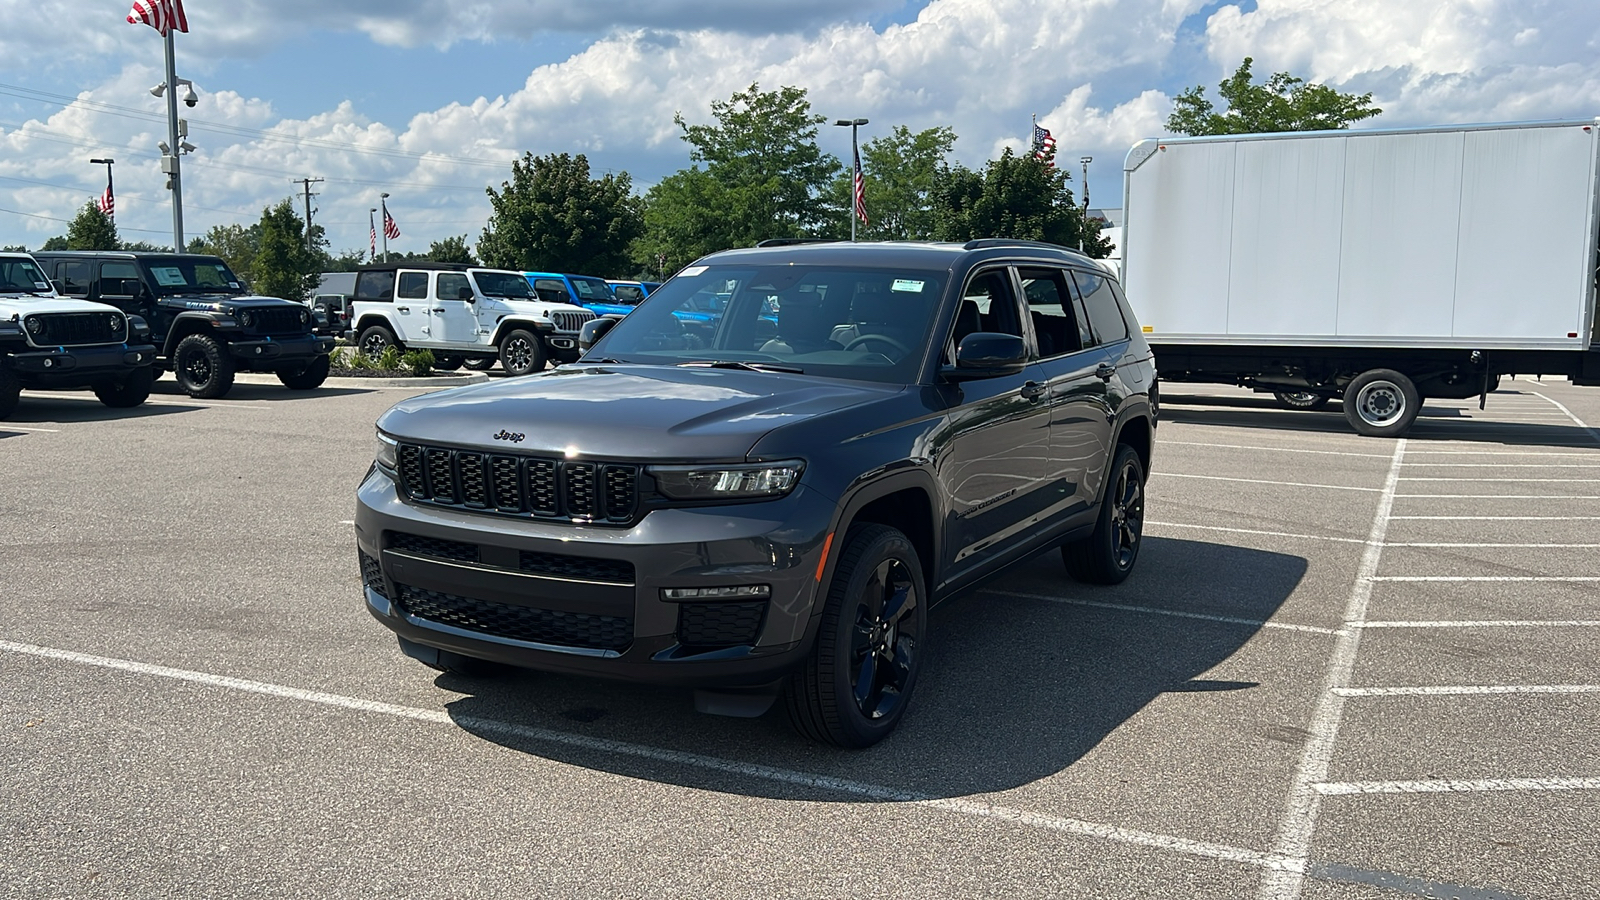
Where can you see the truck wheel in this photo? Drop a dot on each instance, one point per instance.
(129, 392)
(1381, 403)
(857, 683)
(521, 352)
(1301, 399)
(479, 363)
(1107, 555)
(308, 377)
(447, 363)
(374, 340)
(10, 391)
(202, 367)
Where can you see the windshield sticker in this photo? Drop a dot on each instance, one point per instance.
(692, 271)
(168, 276)
(905, 284)
(233, 284)
(41, 286)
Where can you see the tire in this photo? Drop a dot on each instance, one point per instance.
(308, 377)
(374, 340)
(129, 392)
(1107, 555)
(876, 613)
(10, 391)
(1381, 403)
(203, 367)
(521, 352)
(478, 363)
(447, 363)
(1301, 399)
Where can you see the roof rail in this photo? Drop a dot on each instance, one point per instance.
(790, 242)
(983, 243)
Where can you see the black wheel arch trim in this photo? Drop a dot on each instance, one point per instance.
(891, 479)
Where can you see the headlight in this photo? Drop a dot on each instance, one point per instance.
(246, 319)
(34, 324)
(304, 317)
(115, 321)
(387, 454)
(741, 482)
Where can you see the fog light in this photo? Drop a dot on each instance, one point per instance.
(48, 363)
(737, 592)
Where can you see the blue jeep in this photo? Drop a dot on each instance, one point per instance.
(585, 290)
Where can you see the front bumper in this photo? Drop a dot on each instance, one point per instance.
(80, 366)
(604, 625)
(271, 352)
(562, 347)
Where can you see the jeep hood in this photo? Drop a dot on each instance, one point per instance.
(625, 412)
(13, 304)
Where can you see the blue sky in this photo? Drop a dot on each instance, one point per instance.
(430, 99)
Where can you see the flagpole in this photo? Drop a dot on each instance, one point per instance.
(383, 201)
(169, 163)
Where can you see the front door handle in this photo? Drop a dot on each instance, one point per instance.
(1105, 371)
(404, 309)
(1033, 390)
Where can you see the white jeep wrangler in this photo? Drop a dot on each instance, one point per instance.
(464, 314)
(51, 342)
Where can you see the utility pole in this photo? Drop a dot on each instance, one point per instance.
(307, 183)
(169, 162)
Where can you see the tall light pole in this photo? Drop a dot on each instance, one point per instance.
(112, 215)
(175, 143)
(1084, 228)
(855, 169)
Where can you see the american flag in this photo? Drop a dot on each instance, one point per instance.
(107, 203)
(1044, 146)
(390, 229)
(372, 236)
(860, 190)
(162, 15)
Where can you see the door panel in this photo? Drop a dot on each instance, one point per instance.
(455, 321)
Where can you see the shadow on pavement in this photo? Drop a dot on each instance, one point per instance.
(165, 389)
(1015, 689)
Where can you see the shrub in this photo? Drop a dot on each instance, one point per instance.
(390, 358)
(420, 362)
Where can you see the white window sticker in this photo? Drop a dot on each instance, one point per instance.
(692, 271)
(906, 284)
(40, 286)
(168, 276)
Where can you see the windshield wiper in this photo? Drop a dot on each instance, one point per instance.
(747, 366)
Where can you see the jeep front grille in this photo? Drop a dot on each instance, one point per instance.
(76, 329)
(571, 321)
(519, 623)
(278, 320)
(520, 485)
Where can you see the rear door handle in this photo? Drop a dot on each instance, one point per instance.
(1033, 390)
(1105, 371)
(437, 309)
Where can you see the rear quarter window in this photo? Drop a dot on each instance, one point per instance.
(1100, 301)
(375, 287)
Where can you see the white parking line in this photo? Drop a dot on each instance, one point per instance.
(7, 426)
(1331, 487)
(1469, 690)
(1572, 578)
(1283, 534)
(1516, 453)
(1580, 423)
(1166, 443)
(1178, 614)
(1304, 803)
(1498, 496)
(962, 806)
(1474, 546)
(1490, 623)
(1481, 479)
(1496, 518)
(1338, 788)
(1434, 465)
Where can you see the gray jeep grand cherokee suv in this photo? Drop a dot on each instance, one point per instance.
(760, 479)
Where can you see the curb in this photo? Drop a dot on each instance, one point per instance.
(432, 381)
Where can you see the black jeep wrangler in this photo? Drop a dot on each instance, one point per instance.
(761, 478)
(204, 321)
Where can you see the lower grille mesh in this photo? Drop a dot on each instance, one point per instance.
(371, 574)
(720, 624)
(521, 623)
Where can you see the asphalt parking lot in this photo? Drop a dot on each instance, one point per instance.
(1345, 668)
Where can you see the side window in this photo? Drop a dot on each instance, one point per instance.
(986, 305)
(1105, 316)
(375, 287)
(551, 290)
(450, 286)
(74, 277)
(412, 286)
(1050, 307)
(119, 280)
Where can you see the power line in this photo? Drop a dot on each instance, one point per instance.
(18, 212)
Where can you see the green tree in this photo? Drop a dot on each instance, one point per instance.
(452, 250)
(59, 242)
(1013, 197)
(345, 260)
(14, 248)
(282, 266)
(553, 216)
(92, 229)
(236, 244)
(900, 171)
(1284, 103)
(683, 222)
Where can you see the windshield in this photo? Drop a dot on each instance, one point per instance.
(204, 274)
(22, 276)
(591, 290)
(627, 293)
(866, 324)
(504, 284)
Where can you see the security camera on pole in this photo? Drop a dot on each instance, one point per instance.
(166, 16)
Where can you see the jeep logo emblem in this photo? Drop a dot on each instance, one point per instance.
(515, 438)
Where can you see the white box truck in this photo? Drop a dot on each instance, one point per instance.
(1379, 267)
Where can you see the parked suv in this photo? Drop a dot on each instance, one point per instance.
(779, 505)
(204, 321)
(50, 342)
(463, 314)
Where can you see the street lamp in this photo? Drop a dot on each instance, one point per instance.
(855, 170)
(107, 162)
(382, 202)
(175, 144)
(1085, 226)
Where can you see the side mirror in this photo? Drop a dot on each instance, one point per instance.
(987, 354)
(466, 294)
(595, 329)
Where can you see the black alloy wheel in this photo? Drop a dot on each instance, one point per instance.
(1107, 555)
(857, 684)
(202, 367)
(521, 353)
(374, 340)
(129, 392)
(478, 363)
